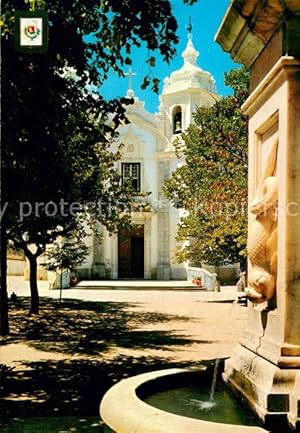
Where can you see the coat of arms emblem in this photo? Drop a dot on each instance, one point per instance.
(31, 31)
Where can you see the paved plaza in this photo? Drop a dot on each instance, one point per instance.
(209, 322)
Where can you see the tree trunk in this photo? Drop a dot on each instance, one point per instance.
(32, 257)
(61, 285)
(3, 284)
(35, 302)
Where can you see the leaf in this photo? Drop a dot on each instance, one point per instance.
(145, 83)
(151, 61)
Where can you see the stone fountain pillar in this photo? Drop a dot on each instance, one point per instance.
(264, 35)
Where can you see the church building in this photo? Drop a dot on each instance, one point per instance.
(148, 159)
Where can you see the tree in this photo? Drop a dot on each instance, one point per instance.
(66, 254)
(212, 184)
(4, 297)
(53, 149)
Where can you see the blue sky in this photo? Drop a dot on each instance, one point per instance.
(206, 17)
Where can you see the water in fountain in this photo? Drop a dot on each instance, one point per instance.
(192, 400)
(202, 405)
(203, 397)
(209, 404)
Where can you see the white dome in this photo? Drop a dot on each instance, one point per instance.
(190, 75)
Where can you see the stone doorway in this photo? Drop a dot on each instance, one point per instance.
(131, 253)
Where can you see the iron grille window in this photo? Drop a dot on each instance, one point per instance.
(131, 174)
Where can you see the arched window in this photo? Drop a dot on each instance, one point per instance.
(177, 120)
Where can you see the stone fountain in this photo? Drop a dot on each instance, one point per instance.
(264, 370)
(264, 35)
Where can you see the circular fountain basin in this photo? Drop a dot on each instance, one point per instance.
(124, 410)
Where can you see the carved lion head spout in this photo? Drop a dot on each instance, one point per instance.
(261, 286)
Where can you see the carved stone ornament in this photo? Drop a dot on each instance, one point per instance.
(262, 235)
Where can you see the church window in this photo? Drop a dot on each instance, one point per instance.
(177, 120)
(131, 174)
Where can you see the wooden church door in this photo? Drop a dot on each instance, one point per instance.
(131, 253)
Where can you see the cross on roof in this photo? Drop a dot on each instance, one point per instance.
(130, 74)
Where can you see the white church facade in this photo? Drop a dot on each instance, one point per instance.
(148, 159)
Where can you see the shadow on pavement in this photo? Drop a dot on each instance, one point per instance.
(91, 328)
(70, 388)
(75, 386)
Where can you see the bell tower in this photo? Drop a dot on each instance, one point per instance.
(184, 90)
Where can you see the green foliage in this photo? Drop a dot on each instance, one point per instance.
(66, 253)
(212, 184)
(57, 135)
(109, 29)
